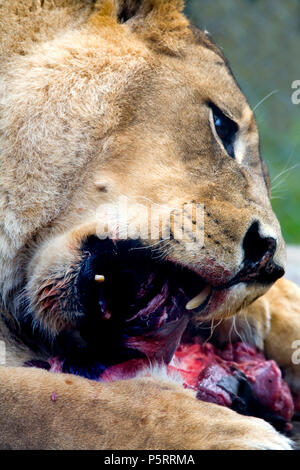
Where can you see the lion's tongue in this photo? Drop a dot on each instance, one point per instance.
(158, 348)
(155, 330)
(160, 345)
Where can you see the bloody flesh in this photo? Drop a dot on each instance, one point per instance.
(238, 377)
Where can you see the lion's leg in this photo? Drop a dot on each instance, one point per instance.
(273, 324)
(282, 342)
(42, 410)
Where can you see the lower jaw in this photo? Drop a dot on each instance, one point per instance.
(111, 348)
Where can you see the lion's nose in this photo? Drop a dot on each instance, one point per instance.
(257, 247)
(259, 251)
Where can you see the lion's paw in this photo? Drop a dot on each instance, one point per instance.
(257, 434)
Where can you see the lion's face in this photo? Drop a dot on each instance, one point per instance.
(146, 111)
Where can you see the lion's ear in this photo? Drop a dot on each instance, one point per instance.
(128, 9)
(159, 22)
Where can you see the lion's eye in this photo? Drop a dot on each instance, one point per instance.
(225, 128)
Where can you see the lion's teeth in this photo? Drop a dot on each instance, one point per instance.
(99, 278)
(199, 299)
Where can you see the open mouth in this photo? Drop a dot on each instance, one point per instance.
(138, 285)
(136, 302)
(135, 305)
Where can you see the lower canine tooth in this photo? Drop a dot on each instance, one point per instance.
(99, 278)
(199, 299)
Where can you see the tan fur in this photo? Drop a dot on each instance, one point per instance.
(90, 415)
(99, 100)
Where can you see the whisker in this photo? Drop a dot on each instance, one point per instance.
(288, 160)
(283, 172)
(212, 330)
(156, 204)
(236, 331)
(264, 99)
(247, 323)
(230, 332)
(148, 247)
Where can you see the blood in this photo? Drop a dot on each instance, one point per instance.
(231, 376)
(237, 376)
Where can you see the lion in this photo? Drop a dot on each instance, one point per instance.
(105, 99)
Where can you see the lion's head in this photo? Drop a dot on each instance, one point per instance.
(132, 103)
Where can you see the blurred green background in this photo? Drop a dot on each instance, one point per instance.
(261, 39)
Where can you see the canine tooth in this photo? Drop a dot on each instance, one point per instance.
(199, 299)
(99, 278)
